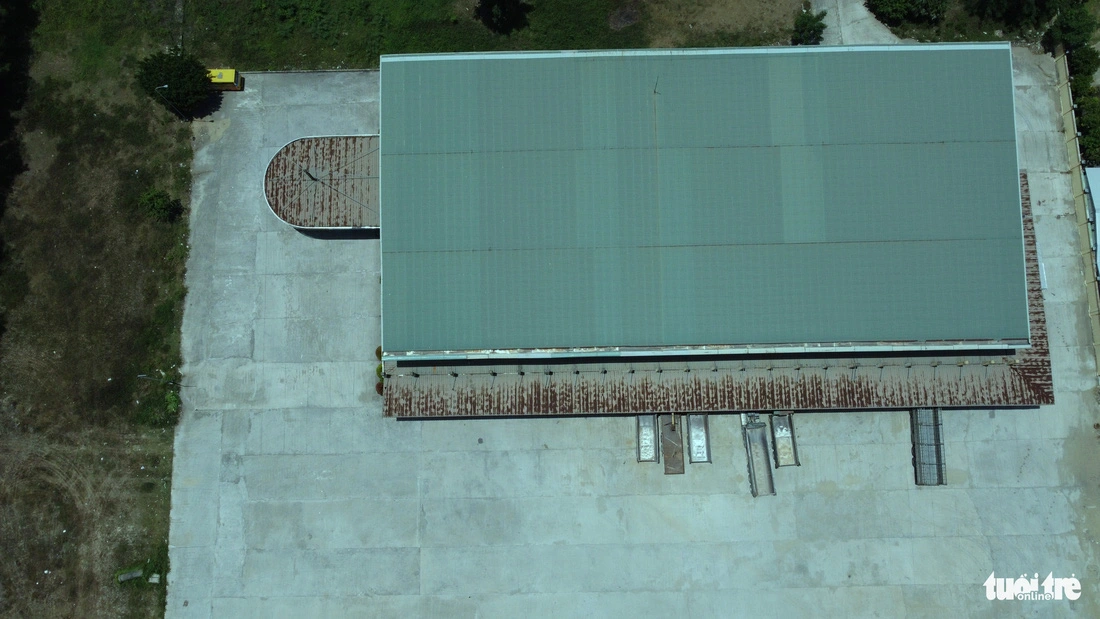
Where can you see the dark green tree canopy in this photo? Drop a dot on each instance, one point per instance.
(503, 16)
(1073, 28)
(1084, 61)
(176, 80)
(809, 28)
(894, 12)
(1020, 13)
(1090, 150)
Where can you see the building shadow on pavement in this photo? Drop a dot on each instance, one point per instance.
(342, 235)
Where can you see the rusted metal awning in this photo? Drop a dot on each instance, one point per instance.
(325, 182)
(758, 383)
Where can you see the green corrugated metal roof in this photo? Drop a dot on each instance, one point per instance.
(700, 197)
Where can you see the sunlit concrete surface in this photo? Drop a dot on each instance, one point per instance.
(292, 496)
(849, 22)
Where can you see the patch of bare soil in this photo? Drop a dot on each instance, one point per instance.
(626, 15)
(673, 22)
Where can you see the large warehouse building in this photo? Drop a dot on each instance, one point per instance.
(706, 231)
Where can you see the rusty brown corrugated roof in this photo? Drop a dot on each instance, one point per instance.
(325, 182)
(734, 385)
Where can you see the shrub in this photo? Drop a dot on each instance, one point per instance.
(894, 12)
(809, 28)
(160, 205)
(172, 404)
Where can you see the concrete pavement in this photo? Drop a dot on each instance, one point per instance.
(292, 496)
(848, 22)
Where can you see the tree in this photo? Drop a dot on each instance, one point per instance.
(1084, 61)
(1090, 149)
(809, 28)
(1073, 28)
(177, 80)
(1081, 85)
(1088, 114)
(503, 16)
(1014, 13)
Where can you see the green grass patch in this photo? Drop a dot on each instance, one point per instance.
(295, 34)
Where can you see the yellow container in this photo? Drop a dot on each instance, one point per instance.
(225, 79)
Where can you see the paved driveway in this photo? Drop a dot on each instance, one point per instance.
(848, 22)
(292, 496)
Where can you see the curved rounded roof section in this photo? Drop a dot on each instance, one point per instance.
(325, 182)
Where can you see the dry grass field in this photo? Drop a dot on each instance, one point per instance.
(91, 292)
(678, 23)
